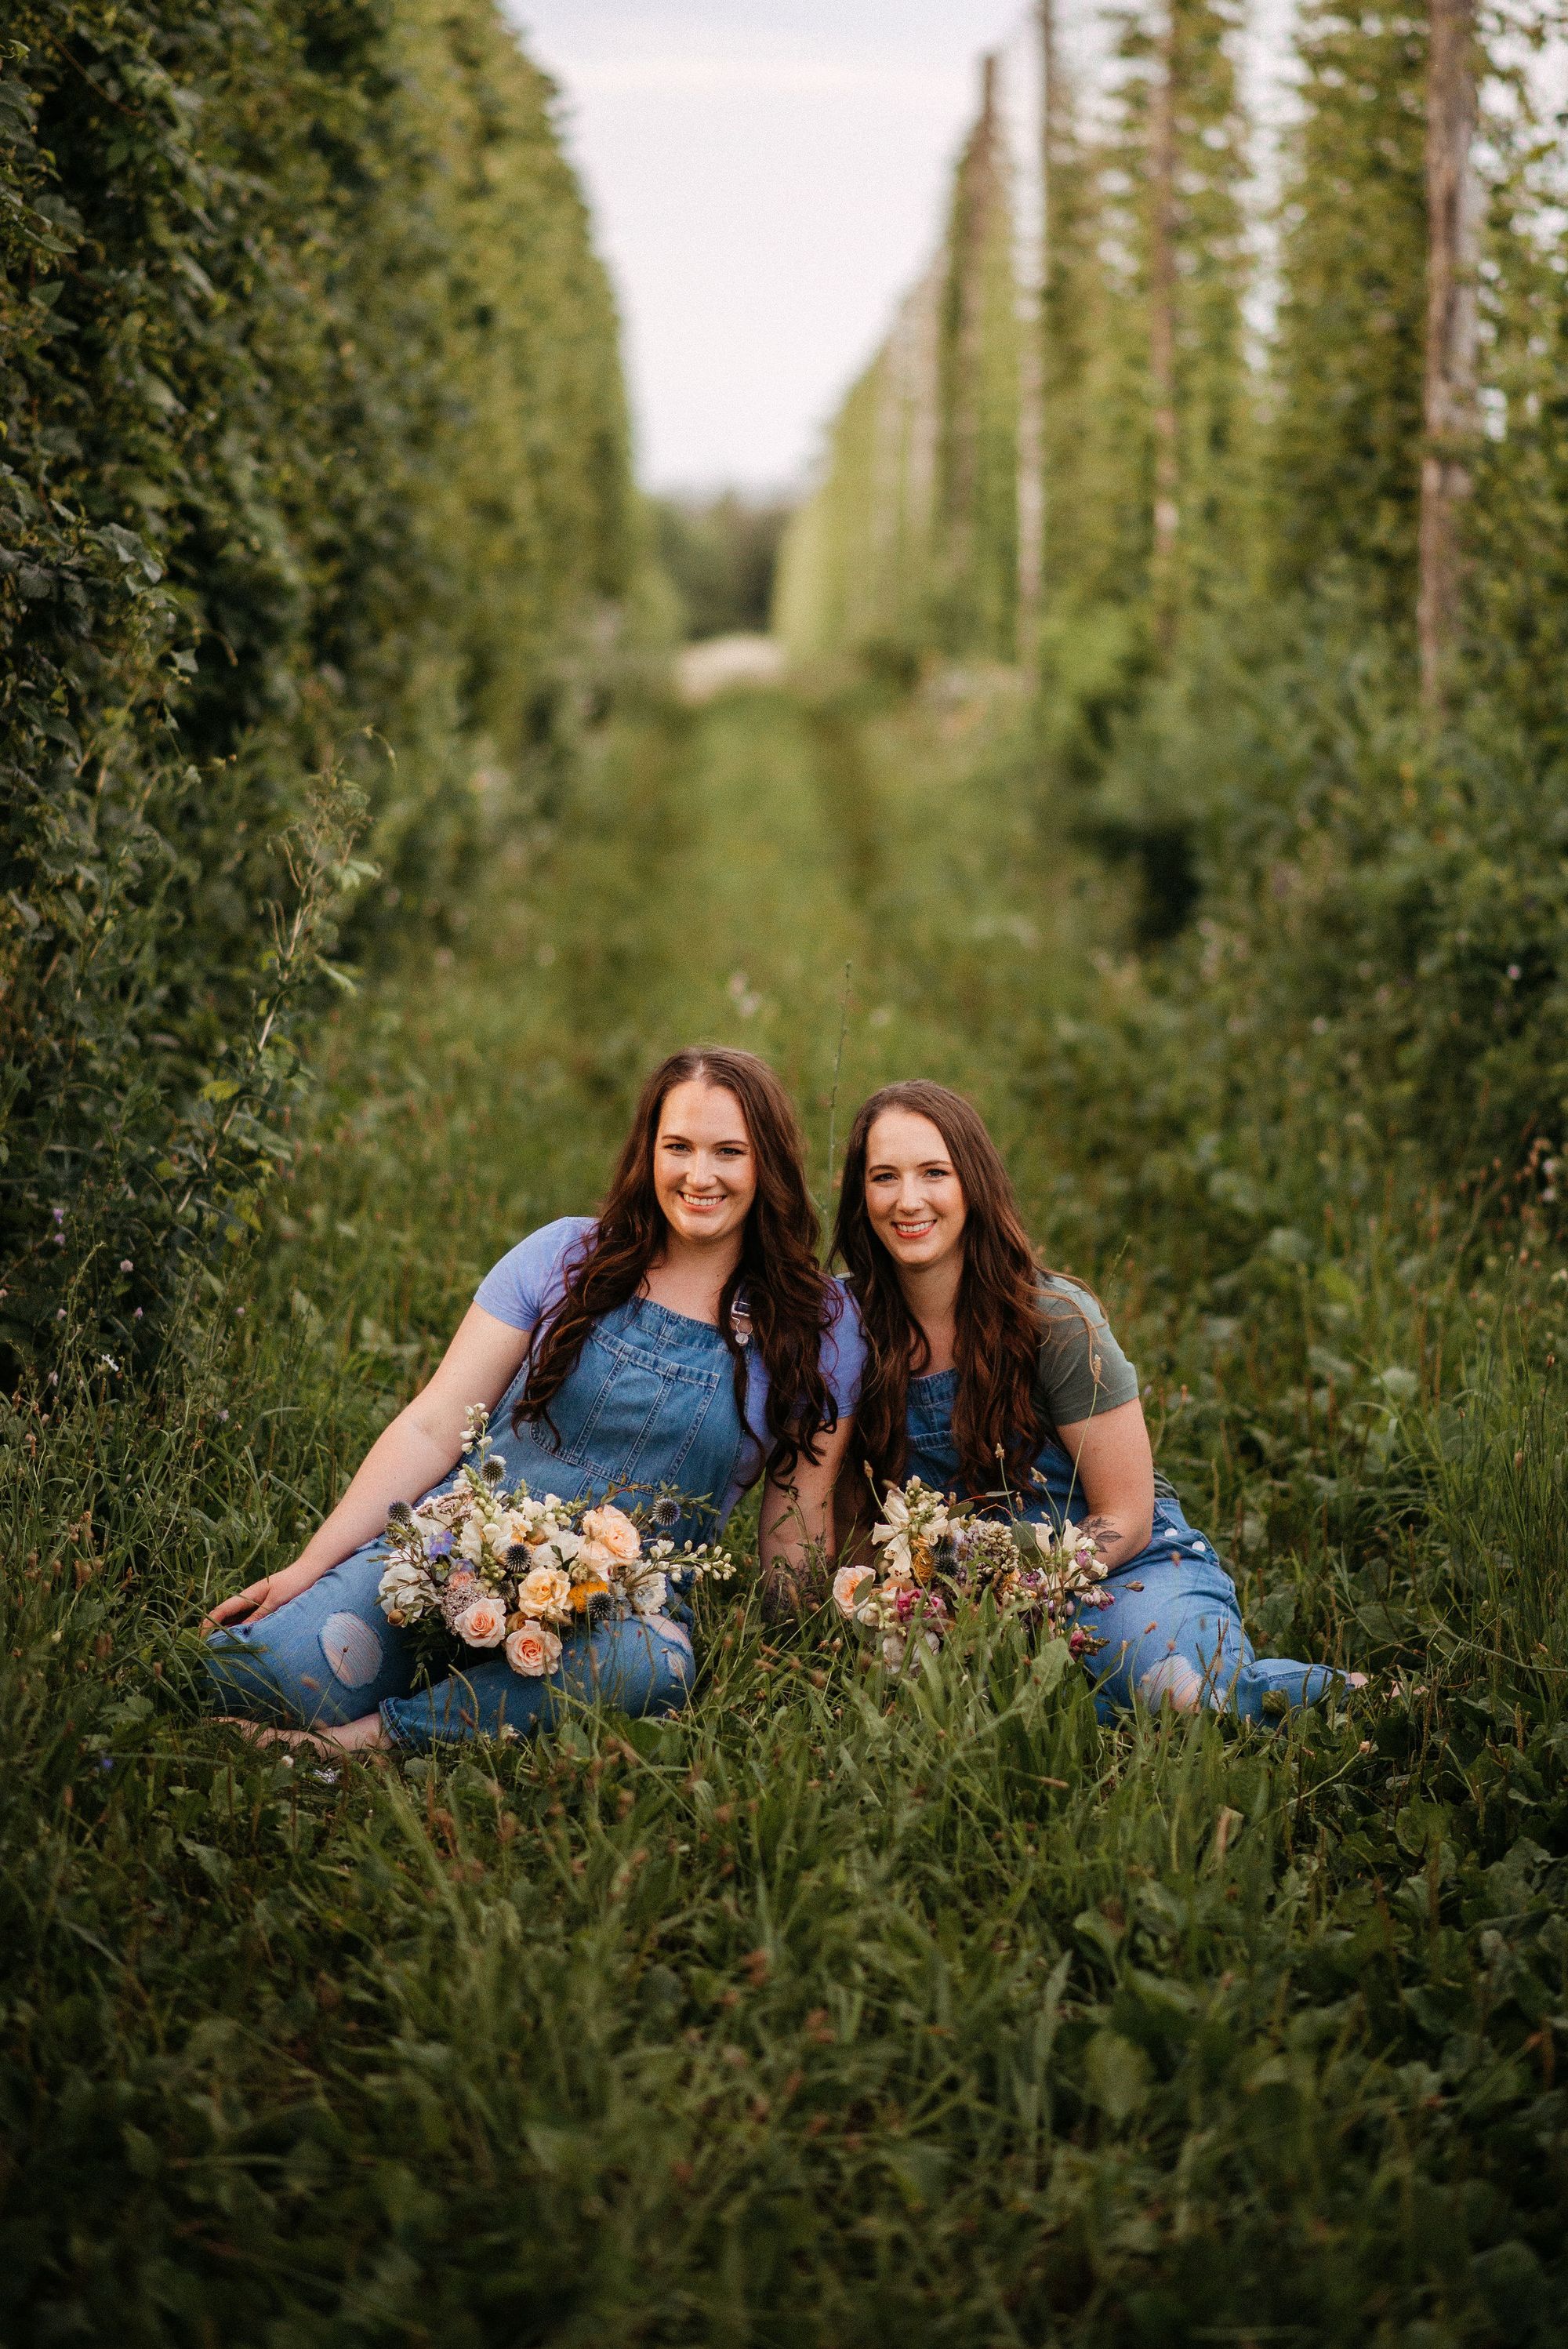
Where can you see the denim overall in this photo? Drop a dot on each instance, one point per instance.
(1173, 1627)
(651, 1403)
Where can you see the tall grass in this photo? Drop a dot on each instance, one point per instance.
(827, 2013)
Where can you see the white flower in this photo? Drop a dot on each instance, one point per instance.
(846, 1583)
(896, 1521)
(898, 1564)
(471, 1540)
(648, 1593)
(597, 1557)
(544, 1590)
(402, 1586)
(532, 1650)
(893, 1649)
(565, 1544)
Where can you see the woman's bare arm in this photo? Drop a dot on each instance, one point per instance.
(413, 1453)
(798, 1516)
(1115, 1478)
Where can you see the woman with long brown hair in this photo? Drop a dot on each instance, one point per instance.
(994, 1379)
(685, 1339)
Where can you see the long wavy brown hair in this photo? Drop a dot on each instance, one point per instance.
(786, 1292)
(999, 1322)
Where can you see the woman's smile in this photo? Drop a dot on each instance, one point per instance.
(705, 1170)
(915, 1200)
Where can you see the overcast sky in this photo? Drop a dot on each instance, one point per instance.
(765, 176)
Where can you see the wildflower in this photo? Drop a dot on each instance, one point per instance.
(58, 1213)
(666, 1512)
(126, 1265)
(493, 1471)
(137, 1315)
(399, 1513)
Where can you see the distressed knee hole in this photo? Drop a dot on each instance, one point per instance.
(351, 1649)
(1172, 1681)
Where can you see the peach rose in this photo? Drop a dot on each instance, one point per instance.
(596, 1556)
(484, 1623)
(847, 1584)
(533, 1651)
(614, 1528)
(543, 1590)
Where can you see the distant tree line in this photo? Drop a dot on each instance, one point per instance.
(313, 489)
(720, 555)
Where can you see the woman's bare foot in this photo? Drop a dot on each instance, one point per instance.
(354, 1737)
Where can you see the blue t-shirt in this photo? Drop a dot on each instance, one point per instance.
(529, 1282)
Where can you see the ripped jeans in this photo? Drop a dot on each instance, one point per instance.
(1174, 1629)
(329, 1656)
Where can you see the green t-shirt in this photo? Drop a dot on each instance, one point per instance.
(1083, 1372)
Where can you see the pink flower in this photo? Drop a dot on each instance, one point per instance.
(533, 1650)
(847, 1584)
(482, 1624)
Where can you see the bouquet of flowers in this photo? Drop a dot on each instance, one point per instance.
(934, 1555)
(497, 1568)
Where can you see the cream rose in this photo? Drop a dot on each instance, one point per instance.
(597, 1557)
(482, 1623)
(616, 1530)
(532, 1650)
(543, 1590)
(847, 1583)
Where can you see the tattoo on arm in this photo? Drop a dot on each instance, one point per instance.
(1106, 1534)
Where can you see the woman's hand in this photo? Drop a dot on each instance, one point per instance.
(264, 1598)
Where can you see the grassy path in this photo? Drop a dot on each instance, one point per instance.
(795, 2020)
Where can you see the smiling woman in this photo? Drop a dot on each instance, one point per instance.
(685, 1340)
(994, 1379)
